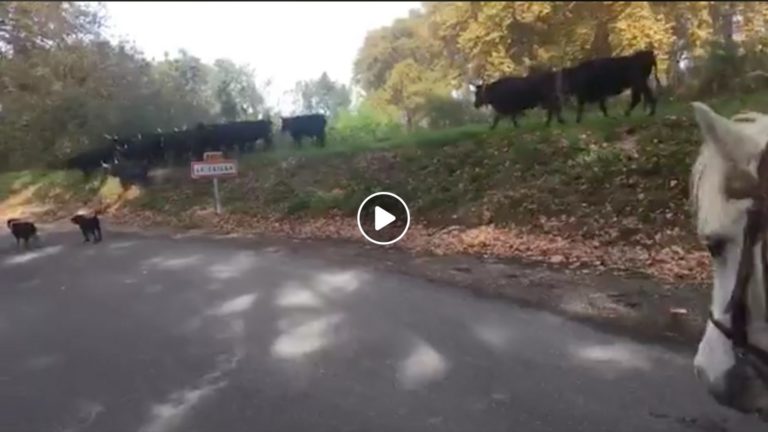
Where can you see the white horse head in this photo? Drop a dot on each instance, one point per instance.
(729, 191)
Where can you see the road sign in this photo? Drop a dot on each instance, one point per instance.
(214, 169)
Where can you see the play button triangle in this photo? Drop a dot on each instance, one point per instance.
(381, 218)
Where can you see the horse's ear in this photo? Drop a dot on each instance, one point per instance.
(731, 141)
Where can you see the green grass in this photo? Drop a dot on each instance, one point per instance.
(49, 184)
(12, 182)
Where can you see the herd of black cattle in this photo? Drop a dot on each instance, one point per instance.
(593, 81)
(130, 157)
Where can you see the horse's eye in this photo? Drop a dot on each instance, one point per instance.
(716, 246)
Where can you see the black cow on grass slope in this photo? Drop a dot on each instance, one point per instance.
(243, 135)
(178, 145)
(511, 96)
(91, 160)
(593, 81)
(310, 125)
(141, 148)
(129, 172)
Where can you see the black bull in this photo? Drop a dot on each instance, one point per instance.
(511, 96)
(148, 147)
(90, 160)
(129, 173)
(237, 134)
(179, 145)
(590, 81)
(309, 125)
(595, 80)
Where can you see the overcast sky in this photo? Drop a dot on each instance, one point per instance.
(282, 41)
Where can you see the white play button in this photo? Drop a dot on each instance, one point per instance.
(381, 218)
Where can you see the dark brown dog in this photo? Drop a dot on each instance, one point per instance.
(89, 226)
(22, 230)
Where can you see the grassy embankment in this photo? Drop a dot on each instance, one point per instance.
(608, 193)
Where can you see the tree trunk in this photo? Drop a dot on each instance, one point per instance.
(681, 44)
(408, 120)
(722, 15)
(601, 41)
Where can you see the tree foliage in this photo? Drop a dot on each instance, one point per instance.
(412, 87)
(26, 26)
(457, 42)
(322, 95)
(383, 49)
(63, 85)
(236, 92)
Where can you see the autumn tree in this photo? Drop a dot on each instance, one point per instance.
(27, 26)
(410, 87)
(406, 39)
(63, 86)
(322, 95)
(486, 40)
(235, 91)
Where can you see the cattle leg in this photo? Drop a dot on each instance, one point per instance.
(579, 110)
(634, 102)
(559, 113)
(555, 109)
(514, 120)
(496, 119)
(603, 108)
(649, 98)
(297, 140)
(321, 139)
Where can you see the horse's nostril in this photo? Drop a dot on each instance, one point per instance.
(716, 246)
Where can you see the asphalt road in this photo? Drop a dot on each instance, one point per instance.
(160, 334)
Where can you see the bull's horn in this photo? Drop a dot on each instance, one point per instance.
(104, 165)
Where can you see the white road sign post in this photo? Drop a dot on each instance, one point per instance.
(214, 166)
(216, 198)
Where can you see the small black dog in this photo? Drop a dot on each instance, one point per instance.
(88, 225)
(22, 230)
